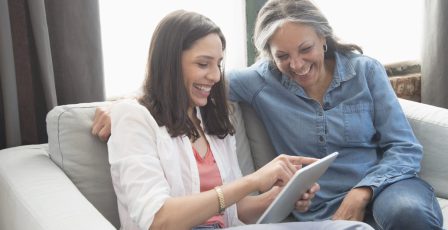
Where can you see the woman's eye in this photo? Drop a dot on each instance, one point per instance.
(306, 49)
(282, 57)
(202, 65)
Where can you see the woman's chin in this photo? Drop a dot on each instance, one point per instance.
(200, 103)
(303, 80)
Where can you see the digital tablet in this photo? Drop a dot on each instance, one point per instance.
(302, 180)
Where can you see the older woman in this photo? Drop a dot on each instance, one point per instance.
(316, 95)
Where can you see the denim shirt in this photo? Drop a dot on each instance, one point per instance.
(360, 118)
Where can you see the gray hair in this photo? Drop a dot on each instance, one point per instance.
(276, 12)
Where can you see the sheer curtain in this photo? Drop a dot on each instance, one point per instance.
(127, 28)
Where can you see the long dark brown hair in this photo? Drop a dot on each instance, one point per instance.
(164, 91)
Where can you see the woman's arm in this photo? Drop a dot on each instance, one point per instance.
(400, 150)
(176, 213)
(189, 211)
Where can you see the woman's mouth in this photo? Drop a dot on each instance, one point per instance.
(302, 72)
(203, 90)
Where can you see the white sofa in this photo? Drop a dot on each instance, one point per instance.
(66, 184)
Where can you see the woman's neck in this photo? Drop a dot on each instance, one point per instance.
(317, 92)
(200, 144)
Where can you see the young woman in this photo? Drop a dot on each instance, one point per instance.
(316, 95)
(172, 151)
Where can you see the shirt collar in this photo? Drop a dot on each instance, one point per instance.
(265, 69)
(344, 69)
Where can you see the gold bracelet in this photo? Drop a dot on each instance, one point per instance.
(222, 203)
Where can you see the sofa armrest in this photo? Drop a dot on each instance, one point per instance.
(430, 125)
(35, 194)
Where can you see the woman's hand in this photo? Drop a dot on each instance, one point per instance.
(304, 203)
(279, 171)
(354, 205)
(250, 208)
(101, 126)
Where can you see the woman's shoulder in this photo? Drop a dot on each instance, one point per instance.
(252, 78)
(356, 64)
(255, 71)
(131, 109)
(128, 105)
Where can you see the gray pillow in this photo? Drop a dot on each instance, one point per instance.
(82, 156)
(259, 142)
(243, 152)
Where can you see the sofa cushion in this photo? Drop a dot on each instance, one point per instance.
(430, 125)
(82, 156)
(259, 142)
(242, 143)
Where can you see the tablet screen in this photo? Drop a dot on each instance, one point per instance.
(302, 180)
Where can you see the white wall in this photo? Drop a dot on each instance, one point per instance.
(126, 28)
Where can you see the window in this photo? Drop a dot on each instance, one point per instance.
(126, 28)
(390, 31)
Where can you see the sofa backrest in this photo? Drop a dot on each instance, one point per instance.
(82, 156)
(260, 145)
(430, 125)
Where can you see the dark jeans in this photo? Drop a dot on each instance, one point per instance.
(408, 204)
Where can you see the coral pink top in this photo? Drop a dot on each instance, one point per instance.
(210, 178)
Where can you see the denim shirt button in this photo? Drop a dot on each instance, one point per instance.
(321, 139)
(326, 105)
(320, 113)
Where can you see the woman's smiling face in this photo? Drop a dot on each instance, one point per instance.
(298, 52)
(201, 68)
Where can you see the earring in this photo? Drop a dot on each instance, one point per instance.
(325, 48)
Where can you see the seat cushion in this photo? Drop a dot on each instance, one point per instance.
(82, 156)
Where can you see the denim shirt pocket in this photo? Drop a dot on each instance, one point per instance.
(358, 123)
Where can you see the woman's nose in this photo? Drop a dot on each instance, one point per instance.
(214, 75)
(296, 62)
